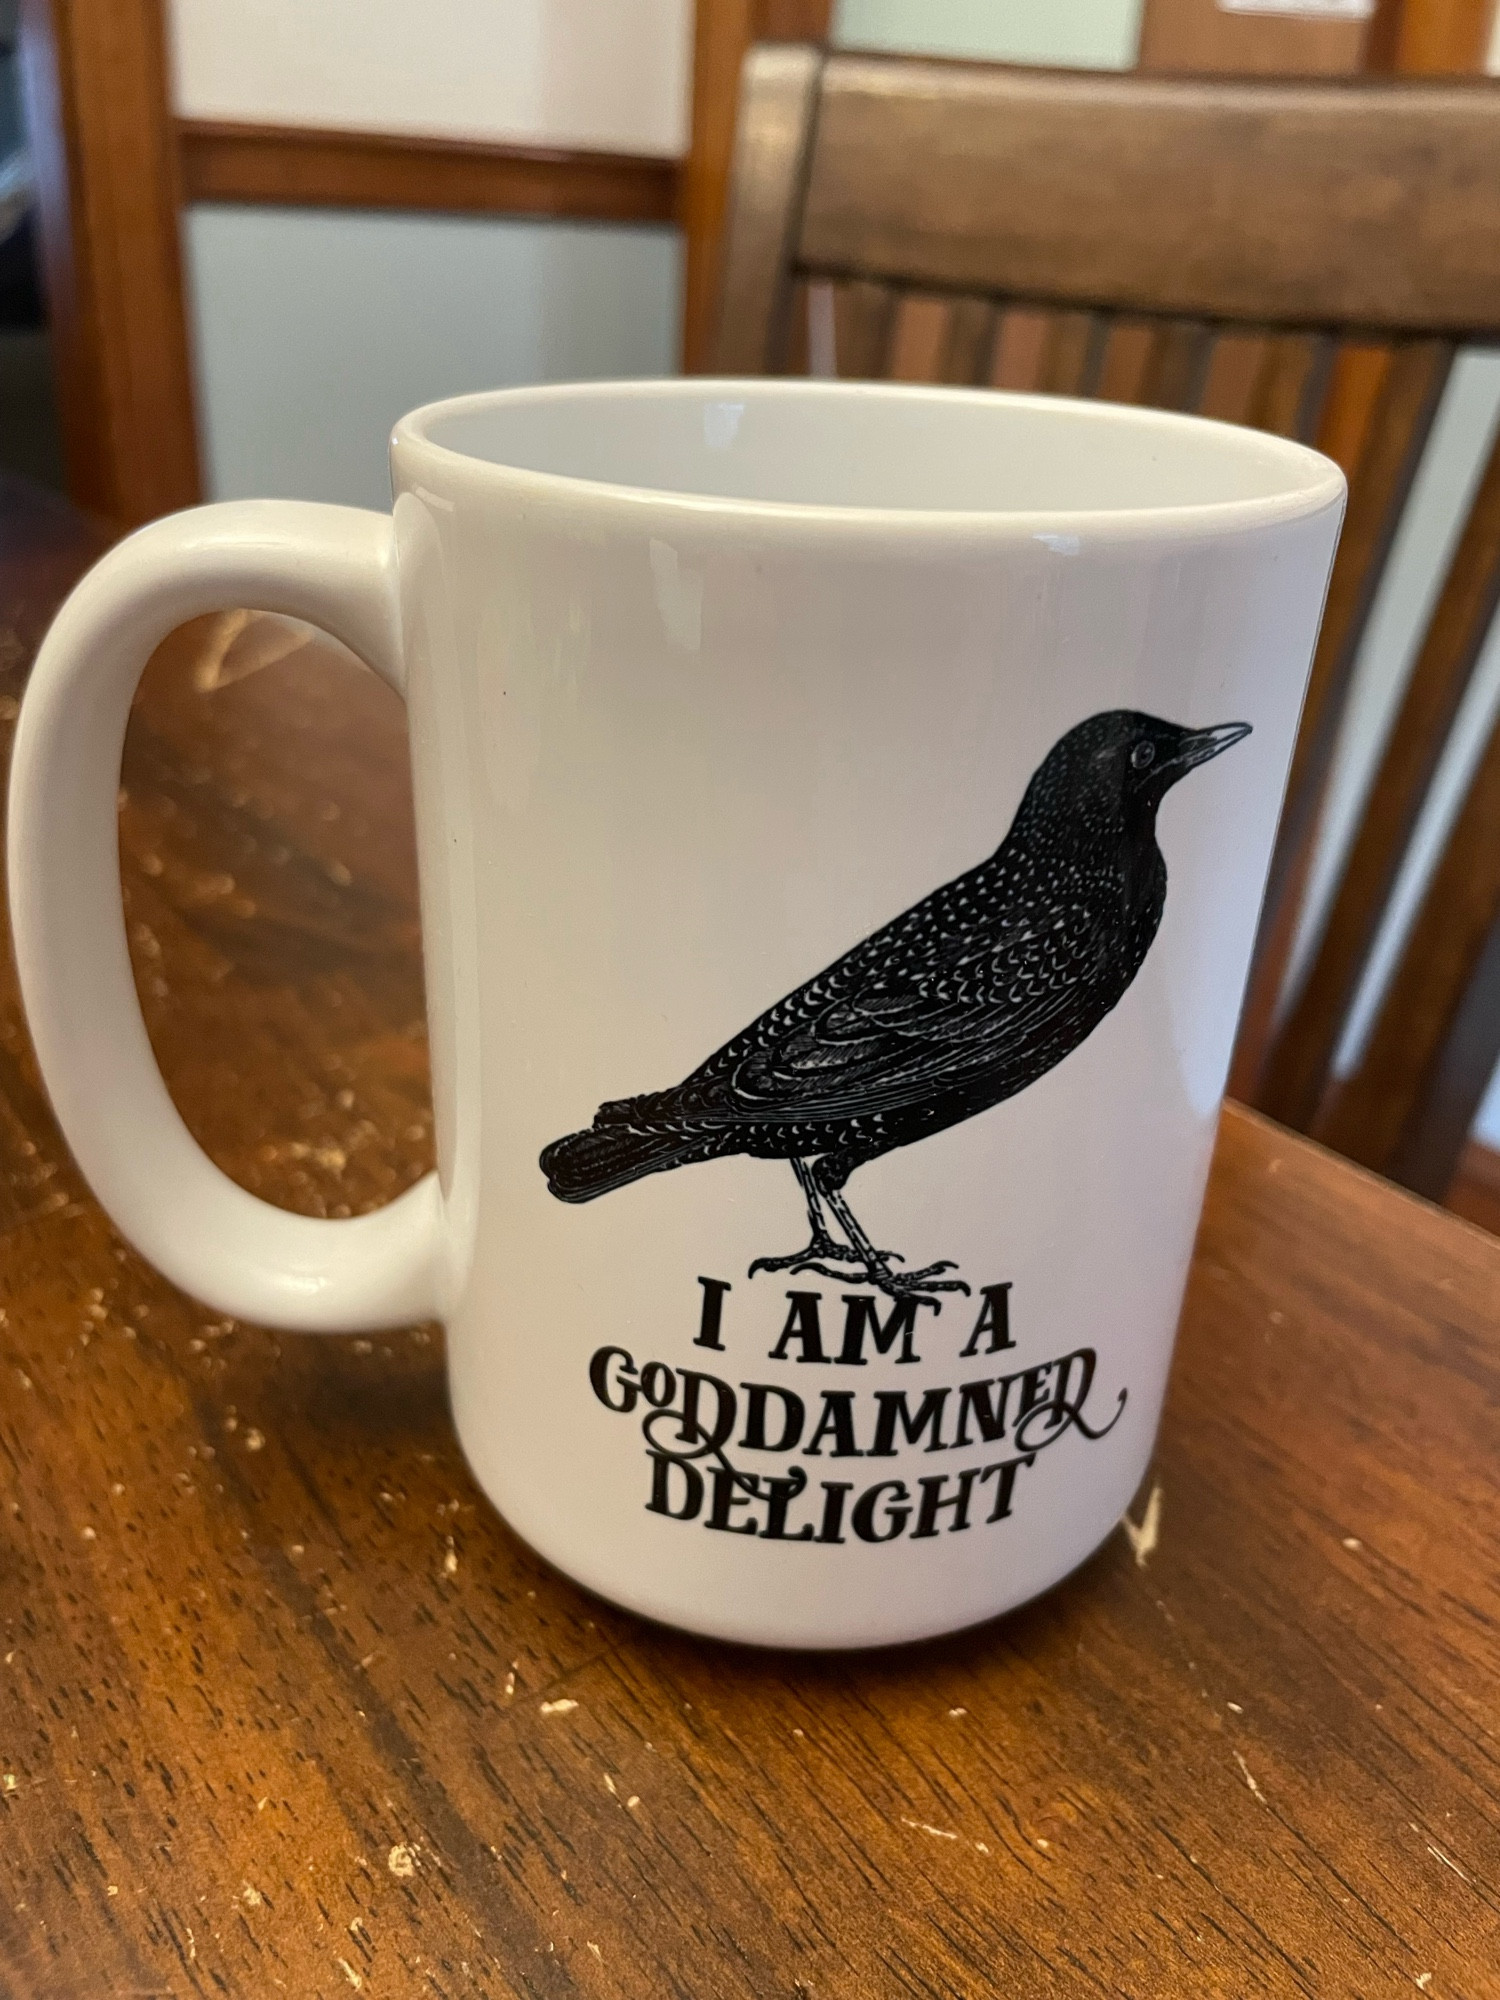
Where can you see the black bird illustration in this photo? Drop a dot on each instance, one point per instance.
(957, 1004)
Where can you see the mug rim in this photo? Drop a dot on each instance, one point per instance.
(1314, 482)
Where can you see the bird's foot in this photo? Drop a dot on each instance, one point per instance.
(808, 1258)
(855, 1273)
(823, 1249)
(821, 1255)
(921, 1285)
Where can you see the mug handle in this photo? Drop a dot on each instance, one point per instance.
(334, 567)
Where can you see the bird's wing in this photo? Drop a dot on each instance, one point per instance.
(882, 1030)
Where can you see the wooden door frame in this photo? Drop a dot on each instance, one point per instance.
(95, 78)
(722, 32)
(1430, 37)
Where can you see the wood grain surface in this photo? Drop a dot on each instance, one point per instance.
(1217, 199)
(284, 1707)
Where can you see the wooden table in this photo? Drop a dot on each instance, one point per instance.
(285, 1708)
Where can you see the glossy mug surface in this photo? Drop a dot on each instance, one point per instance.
(843, 813)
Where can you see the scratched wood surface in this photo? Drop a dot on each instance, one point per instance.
(285, 1708)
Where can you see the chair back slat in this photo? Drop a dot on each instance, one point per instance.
(864, 318)
(1304, 257)
(1126, 358)
(1411, 1102)
(1178, 365)
(1019, 343)
(1409, 383)
(1070, 353)
(1400, 424)
(1232, 383)
(772, 147)
(969, 356)
(1292, 386)
(1298, 1082)
(1202, 200)
(919, 338)
(1437, 1134)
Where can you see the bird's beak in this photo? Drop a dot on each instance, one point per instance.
(1201, 744)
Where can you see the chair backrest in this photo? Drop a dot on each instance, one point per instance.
(1303, 256)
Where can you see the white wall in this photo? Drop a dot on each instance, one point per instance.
(607, 74)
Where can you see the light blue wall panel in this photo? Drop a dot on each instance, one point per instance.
(316, 330)
(1088, 34)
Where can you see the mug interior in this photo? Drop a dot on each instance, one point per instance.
(878, 447)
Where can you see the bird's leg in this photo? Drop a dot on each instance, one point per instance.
(822, 1244)
(896, 1284)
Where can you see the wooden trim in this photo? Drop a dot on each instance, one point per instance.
(1383, 39)
(297, 166)
(724, 32)
(1200, 36)
(1405, 38)
(792, 20)
(1439, 37)
(94, 73)
(1475, 1192)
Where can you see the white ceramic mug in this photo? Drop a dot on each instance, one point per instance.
(843, 813)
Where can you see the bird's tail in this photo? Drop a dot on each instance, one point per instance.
(586, 1164)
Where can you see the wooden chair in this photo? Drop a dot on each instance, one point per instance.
(1303, 256)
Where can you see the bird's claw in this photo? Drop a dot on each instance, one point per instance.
(931, 1271)
(810, 1259)
(876, 1270)
(806, 1259)
(854, 1277)
(905, 1284)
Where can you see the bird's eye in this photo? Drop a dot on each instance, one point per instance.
(1142, 755)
